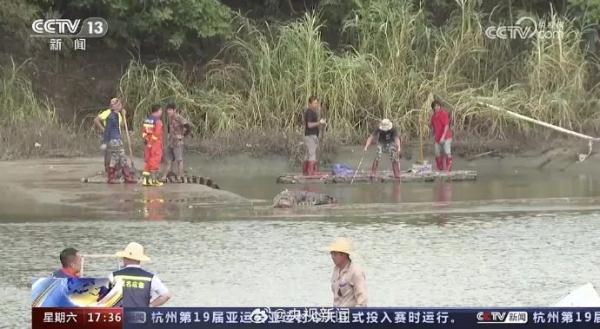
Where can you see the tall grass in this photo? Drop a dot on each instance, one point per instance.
(394, 62)
(28, 125)
(18, 103)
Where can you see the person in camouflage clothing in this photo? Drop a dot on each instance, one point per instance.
(291, 199)
(114, 145)
(178, 128)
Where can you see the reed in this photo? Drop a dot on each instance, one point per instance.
(394, 60)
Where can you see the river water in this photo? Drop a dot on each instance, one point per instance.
(515, 237)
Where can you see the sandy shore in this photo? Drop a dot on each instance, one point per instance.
(52, 188)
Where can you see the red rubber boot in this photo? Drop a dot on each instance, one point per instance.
(311, 168)
(439, 163)
(112, 175)
(316, 168)
(128, 176)
(396, 168)
(374, 167)
(448, 163)
(305, 168)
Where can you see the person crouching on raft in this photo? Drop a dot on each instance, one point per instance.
(311, 135)
(388, 141)
(348, 281)
(152, 132)
(440, 123)
(114, 145)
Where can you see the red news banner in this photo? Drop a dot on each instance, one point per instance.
(77, 318)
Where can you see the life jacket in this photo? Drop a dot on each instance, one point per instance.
(152, 130)
(136, 286)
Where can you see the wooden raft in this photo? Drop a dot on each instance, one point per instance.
(101, 179)
(383, 177)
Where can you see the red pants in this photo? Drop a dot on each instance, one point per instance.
(153, 157)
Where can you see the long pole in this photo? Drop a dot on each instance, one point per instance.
(129, 143)
(541, 123)
(358, 168)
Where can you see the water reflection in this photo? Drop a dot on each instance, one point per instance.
(442, 200)
(442, 194)
(397, 192)
(154, 204)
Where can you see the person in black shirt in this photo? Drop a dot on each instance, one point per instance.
(311, 135)
(388, 141)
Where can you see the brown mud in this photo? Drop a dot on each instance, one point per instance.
(41, 189)
(53, 188)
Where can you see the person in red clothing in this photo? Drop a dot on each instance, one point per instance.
(440, 123)
(152, 132)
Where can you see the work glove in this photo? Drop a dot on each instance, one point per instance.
(323, 122)
(103, 147)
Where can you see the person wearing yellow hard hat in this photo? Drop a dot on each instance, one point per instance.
(140, 288)
(388, 141)
(348, 281)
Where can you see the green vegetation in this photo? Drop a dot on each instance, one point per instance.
(387, 58)
(29, 126)
(160, 24)
(396, 59)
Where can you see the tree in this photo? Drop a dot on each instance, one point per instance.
(161, 24)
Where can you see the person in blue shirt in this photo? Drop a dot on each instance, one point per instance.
(70, 261)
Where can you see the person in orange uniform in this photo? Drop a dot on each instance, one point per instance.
(152, 132)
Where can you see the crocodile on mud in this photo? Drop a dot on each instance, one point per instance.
(291, 199)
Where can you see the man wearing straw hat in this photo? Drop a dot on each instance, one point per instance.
(348, 282)
(140, 288)
(388, 141)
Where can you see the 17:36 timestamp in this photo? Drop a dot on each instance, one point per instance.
(104, 317)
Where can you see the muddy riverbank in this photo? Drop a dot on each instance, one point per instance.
(50, 188)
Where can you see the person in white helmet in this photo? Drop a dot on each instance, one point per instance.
(388, 141)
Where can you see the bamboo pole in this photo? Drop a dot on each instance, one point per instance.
(541, 123)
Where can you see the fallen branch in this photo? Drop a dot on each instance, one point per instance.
(477, 156)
